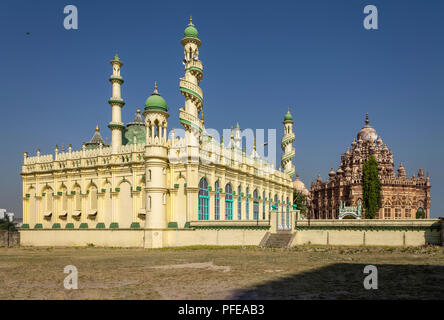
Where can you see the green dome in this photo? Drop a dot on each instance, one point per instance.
(288, 116)
(190, 32)
(155, 102)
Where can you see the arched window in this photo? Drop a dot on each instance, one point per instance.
(263, 205)
(203, 200)
(277, 208)
(269, 201)
(239, 203)
(148, 203)
(247, 204)
(387, 211)
(420, 213)
(63, 201)
(228, 202)
(217, 201)
(398, 213)
(255, 205)
(92, 200)
(408, 211)
(288, 214)
(282, 215)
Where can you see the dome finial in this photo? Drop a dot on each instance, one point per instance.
(366, 118)
(97, 128)
(155, 87)
(191, 19)
(254, 143)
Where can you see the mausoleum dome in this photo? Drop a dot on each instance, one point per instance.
(367, 133)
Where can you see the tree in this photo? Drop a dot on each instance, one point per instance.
(301, 201)
(5, 224)
(371, 188)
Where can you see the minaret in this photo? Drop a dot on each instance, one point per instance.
(237, 137)
(287, 145)
(189, 115)
(189, 87)
(116, 102)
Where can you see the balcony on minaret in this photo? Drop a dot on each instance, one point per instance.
(188, 119)
(195, 67)
(191, 90)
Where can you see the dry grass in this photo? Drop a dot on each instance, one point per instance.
(222, 273)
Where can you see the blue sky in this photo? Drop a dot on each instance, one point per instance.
(259, 59)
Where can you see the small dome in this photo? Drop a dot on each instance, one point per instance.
(367, 133)
(190, 30)
(288, 116)
(331, 173)
(299, 186)
(155, 101)
(401, 170)
(138, 120)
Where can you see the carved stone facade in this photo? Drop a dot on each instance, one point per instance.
(401, 197)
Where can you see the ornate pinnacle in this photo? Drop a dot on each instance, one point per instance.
(191, 19)
(366, 119)
(155, 87)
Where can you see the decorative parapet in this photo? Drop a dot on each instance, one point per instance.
(211, 152)
(396, 181)
(196, 68)
(194, 65)
(84, 158)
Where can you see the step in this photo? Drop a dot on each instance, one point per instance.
(280, 239)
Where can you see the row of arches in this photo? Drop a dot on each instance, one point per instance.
(94, 206)
(243, 212)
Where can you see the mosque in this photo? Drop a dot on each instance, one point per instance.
(151, 188)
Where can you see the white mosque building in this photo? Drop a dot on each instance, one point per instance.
(150, 188)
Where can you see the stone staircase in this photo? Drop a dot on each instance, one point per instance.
(280, 239)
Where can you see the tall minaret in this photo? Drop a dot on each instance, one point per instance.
(116, 102)
(189, 115)
(287, 145)
(189, 87)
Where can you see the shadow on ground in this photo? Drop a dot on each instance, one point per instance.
(345, 281)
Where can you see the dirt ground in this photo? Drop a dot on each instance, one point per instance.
(222, 273)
